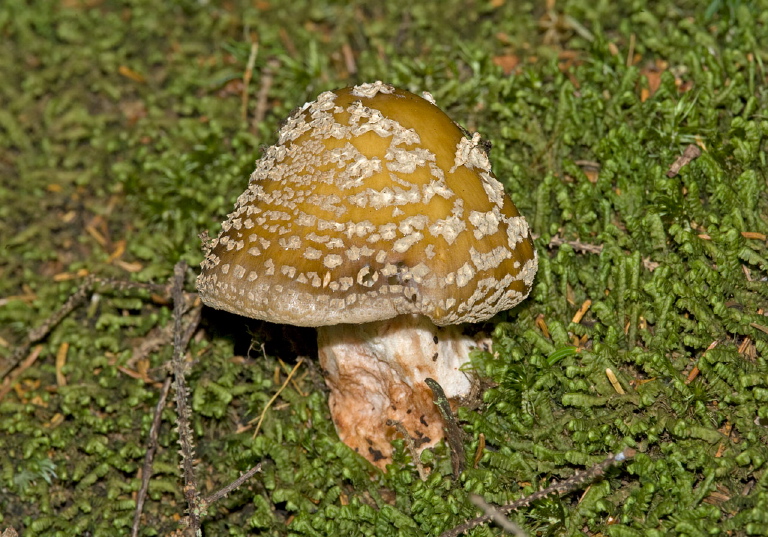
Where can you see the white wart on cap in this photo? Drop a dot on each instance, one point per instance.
(374, 205)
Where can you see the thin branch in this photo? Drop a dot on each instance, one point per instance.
(576, 245)
(33, 336)
(76, 299)
(494, 514)
(262, 103)
(221, 493)
(564, 487)
(146, 471)
(586, 247)
(182, 406)
(9, 382)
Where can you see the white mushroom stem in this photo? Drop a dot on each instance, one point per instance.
(376, 373)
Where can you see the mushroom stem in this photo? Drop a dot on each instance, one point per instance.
(376, 373)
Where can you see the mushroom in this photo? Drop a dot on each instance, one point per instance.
(377, 220)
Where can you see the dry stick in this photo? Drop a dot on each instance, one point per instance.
(564, 487)
(614, 381)
(204, 503)
(500, 520)
(594, 249)
(221, 493)
(23, 367)
(452, 432)
(576, 245)
(267, 78)
(146, 471)
(195, 316)
(75, 300)
(182, 406)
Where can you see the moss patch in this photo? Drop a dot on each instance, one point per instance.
(122, 137)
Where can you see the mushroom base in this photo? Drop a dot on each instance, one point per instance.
(376, 373)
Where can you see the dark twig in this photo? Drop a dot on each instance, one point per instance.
(75, 300)
(221, 493)
(564, 487)
(182, 406)
(194, 322)
(453, 433)
(146, 471)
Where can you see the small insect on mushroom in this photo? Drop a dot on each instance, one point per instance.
(376, 220)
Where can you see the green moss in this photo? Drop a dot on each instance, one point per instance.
(122, 127)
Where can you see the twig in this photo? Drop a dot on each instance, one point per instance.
(247, 75)
(453, 433)
(75, 300)
(35, 335)
(695, 370)
(61, 361)
(649, 265)
(564, 487)
(267, 77)
(760, 327)
(411, 446)
(269, 403)
(23, 367)
(576, 245)
(349, 58)
(494, 514)
(221, 493)
(691, 153)
(146, 471)
(182, 406)
(631, 51)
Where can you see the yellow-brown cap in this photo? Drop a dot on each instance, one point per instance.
(372, 204)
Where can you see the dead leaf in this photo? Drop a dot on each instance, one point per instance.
(507, 62)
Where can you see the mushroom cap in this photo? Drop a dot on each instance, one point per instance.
(372, 204)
